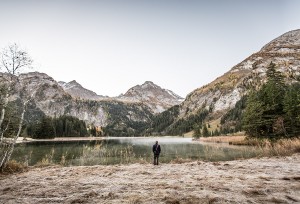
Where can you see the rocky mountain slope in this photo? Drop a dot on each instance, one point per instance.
(49, 98)
(127, 114)
(77, 91)
(223, 93)
(152, 95)
(52, 100)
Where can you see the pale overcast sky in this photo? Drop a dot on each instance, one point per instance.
(110, 46)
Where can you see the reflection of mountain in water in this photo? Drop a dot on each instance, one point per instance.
(127, 150)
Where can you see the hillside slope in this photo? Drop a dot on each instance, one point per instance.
(222, 94)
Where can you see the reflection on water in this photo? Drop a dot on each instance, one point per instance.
(126, 150)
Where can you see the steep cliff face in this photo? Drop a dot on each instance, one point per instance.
(223, 93)
(152, 95)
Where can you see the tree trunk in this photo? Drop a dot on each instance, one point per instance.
(9, 148)
(3, 115)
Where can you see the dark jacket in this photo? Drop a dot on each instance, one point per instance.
(156, 149)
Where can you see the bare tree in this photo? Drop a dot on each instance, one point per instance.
(13, 61)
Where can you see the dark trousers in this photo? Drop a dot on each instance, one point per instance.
(156, 156)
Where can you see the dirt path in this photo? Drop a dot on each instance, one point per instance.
(266, 180)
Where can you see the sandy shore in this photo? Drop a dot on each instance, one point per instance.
(265, 180)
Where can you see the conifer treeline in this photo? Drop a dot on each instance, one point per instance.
(274, 110)
(63, 126)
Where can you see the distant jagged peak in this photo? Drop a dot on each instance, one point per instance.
(155, 97)
(74, 82)
(145, 85)
(61, 83)
(150, 84)
(71, 84)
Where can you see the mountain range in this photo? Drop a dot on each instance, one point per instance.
(150, 94)
(145, 107)
(52, 98)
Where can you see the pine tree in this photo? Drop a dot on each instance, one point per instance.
(197, 132)
(252, 117)
(45, 129)
(263, 116)
(291, 107)
(205, 131)
(216, 132)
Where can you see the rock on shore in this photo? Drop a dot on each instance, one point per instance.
(265, 180)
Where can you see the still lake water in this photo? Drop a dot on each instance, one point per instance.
(116, 150)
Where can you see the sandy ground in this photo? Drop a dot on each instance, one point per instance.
(265, 180)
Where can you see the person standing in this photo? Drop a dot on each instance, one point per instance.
(156, 151)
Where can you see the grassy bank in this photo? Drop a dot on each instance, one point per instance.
(282, 147)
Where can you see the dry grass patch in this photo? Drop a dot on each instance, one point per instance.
(224, 139)
(14, 167)
(191, 200)
(283, 147)
(180, 161)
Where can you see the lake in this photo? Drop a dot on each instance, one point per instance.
(124, 150)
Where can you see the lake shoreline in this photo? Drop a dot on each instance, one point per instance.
(58, 139)
(214, 139)
(257, 180)
(66, 139)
